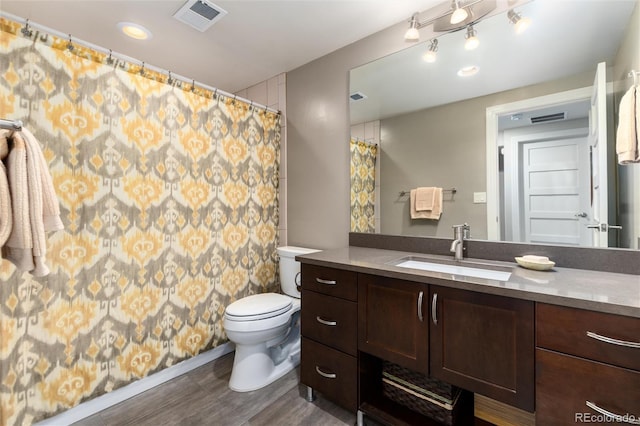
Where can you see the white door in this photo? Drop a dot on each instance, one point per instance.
(598, 145)
(555, 191)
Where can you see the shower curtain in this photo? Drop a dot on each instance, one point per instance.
(363, 179)
(169, 197)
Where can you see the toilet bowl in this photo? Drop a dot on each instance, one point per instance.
(265, 329)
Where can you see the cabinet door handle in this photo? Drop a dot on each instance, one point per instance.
(325, 375)
(613, 416)
(420, 306)
(434, 308)
(327, 282)
(635, 345)
(325, 322)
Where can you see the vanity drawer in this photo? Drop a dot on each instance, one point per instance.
(330, 372)
(565, 385)
(334, 282)
(331, 321)
(609, 338)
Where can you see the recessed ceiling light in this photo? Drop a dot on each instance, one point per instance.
(468, 71)
(136, 31)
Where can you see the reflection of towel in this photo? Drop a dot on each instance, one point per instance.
(425, 198)
(34, 204)
(629, 127)
(6, 219)
(428, 214)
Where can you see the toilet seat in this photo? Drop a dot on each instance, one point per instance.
(258, 307)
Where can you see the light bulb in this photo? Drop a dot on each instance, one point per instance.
(522, 25)
(134, 30)
(430, 56)
(412, 34)
(471, 40)
(459, 14)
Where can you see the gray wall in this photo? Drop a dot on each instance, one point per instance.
(317, 141)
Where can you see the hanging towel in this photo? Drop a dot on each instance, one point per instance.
(629, 127)
(433, 214)
(6, 219)
(425, 198)
(34, 204)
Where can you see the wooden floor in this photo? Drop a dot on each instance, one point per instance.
(202, 397)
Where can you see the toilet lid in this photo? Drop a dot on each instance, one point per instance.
(258, 306)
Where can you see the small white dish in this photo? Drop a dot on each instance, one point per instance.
(537, 263)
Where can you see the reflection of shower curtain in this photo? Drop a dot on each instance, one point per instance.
(169, 199)
(363, 182)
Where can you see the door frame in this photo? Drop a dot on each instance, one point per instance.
(492, 115)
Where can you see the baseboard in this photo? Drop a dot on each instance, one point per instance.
(500, 414)
(107, 400)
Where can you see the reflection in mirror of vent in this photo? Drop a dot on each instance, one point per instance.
(550, 117)
(357, 96)
(199, 14)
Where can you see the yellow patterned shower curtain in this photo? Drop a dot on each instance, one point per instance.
(363, 182)
(169, 199)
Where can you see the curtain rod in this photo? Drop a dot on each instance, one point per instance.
(131, 60)
(10, 124)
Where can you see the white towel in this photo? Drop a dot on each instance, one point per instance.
(425, 198)
(433, 214)
(629, 127)
(34, 205)
(6, 219)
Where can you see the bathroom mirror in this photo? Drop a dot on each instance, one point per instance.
(431, 124)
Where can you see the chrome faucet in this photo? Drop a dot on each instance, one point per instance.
(460, 233)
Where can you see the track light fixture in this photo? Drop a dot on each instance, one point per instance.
(431, 55)
(520, 23)
(412, 33)
(471, 39)
(459, 13)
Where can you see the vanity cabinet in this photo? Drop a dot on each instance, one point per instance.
(329, 318)
(587, 366)
(484, 343)
(393, 321)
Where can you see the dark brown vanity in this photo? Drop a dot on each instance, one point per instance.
(558, 351)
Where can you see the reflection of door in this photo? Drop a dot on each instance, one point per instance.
(598, 146)
(555, 191)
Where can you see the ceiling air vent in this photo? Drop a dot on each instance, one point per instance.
(357, 96)
(199, 14)
(546, 118)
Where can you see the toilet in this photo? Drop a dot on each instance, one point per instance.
(266, 329)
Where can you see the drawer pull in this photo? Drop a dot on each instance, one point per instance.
(325, 375)
(327, 282)
(616, 417)
(420, 306)
(434, 308)
(613, 341)
(325, 322)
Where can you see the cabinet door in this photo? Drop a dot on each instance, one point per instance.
(392, 321)
(484, 343)
(572, 390)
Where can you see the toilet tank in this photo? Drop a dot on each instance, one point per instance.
(289, 268)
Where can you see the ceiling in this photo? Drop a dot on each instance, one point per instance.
(255, 41)
(566, 38)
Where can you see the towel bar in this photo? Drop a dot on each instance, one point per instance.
(451, 190)
(10, 124)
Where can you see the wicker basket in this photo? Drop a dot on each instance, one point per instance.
(430, 397)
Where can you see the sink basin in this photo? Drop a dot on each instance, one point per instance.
(467, 269)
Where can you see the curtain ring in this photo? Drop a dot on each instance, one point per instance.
(170, 79)
(215, 94)
(70, 44)
(193, 85)
(142, 70)
(26, 30)
(110, 58)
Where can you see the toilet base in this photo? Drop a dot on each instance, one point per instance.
(253, 367)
